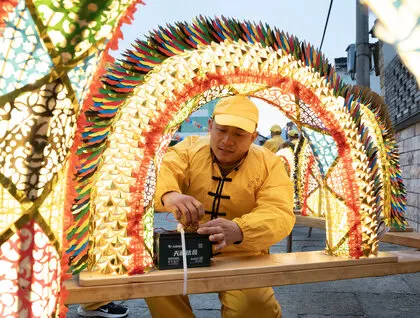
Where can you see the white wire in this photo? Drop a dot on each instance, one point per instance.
(180, 229)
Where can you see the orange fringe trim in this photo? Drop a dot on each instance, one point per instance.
(96, 84)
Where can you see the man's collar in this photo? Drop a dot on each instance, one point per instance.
(227, 168)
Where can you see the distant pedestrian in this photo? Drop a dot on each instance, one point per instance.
(293, 137)
(273, 144)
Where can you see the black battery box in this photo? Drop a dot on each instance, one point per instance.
(168, 249)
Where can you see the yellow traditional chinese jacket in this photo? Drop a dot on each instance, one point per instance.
(273, 144)
(257, 195)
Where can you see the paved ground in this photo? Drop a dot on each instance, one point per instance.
(389, 296)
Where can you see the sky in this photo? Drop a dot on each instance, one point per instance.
(305, 19)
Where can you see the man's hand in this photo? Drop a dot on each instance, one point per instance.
(222, 232)
(185, 208)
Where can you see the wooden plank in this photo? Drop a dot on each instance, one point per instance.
(406, 229)
(311, 221)
(411, 239)
(406, 237)
(408, 262)
(244, 265)
(319, 223)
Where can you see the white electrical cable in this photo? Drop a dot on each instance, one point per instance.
(180, 229)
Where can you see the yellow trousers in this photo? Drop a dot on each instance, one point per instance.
(244, 303)
(94, 306)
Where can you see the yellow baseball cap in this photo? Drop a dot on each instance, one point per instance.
(275, 128)
(237, 111)
(293, 133)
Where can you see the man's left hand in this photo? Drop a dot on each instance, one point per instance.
(222, 232)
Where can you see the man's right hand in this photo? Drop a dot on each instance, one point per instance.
(185, 208)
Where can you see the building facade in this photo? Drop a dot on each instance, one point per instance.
(197, 122)
(344, 67)
(402, 95)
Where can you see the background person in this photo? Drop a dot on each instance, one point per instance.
(234, 190)
(287, 151)
(293, 137)
(273, 144)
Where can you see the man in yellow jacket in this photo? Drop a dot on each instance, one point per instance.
(273, 144)
(234, 190)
